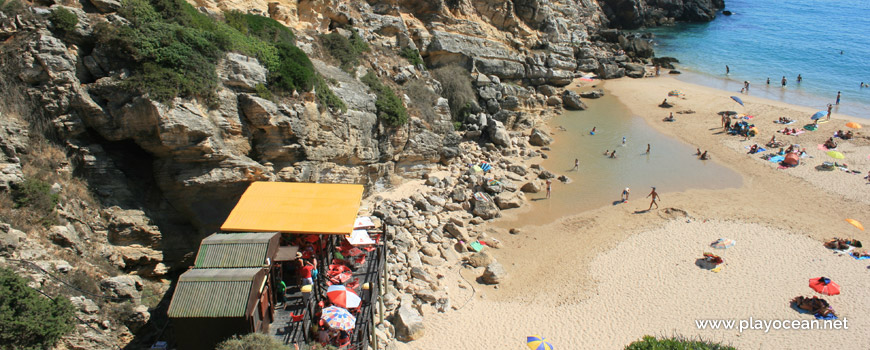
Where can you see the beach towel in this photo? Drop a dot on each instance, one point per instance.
(776, 159)
(748, 117)
(852, 254)
(485, 166)
(822, 148)
(810, 127)
(476, 246)
(476, 169)
(779, 122)
(828, 317)
(481, 197)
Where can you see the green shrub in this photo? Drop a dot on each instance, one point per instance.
(675, 343)
(346, 50)
(390, 107)
(327, 97)
(11, 7)
(174, 48)
(263, 92)
(456, 88)
(28, 320)
(63, 19)
(36, 194)
(412, 55)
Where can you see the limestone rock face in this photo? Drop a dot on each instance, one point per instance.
(124, 287)
(408, 323)
(632, 14)
(485, 209)
(539, 138)
(571, 101)
(242, 72)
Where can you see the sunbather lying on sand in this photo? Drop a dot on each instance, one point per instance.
(842, 244)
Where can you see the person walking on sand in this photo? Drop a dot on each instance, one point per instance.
(549, 187)
(784, 81)
(830, 106)
(838, 98)
(625, 194)
(655, 196)
(576, 164)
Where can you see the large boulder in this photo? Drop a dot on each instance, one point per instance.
(571, 101)
(533, 186)
(539, 138)
(480, 259)
(106, 6)
(408, 323)
(65, 236)
(494, 274)
(508, 200)
(592, 93)
(610, 71)
(484, 208)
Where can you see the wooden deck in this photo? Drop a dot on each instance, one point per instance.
(289, 332)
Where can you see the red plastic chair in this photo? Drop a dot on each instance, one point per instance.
(296, 318)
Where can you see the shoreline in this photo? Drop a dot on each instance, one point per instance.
(767, 200)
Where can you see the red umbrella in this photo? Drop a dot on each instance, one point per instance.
(341, 296)
(824, 285)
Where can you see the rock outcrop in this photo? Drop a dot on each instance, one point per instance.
(631, 14)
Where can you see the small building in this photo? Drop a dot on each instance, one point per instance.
(211, 305)
(230, 250)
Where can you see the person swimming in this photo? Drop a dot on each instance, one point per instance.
(613, 154)
(704, 156)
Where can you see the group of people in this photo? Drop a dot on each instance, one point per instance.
(844, 136)
(784, 120)
(655, 197)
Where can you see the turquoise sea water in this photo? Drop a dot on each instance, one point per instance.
(776, 38)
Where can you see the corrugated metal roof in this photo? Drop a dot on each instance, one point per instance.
(205, 293)
(234, 250)
(296, 208)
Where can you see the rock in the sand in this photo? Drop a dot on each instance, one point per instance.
(546, 174)
(554, 101)
(485, 209)
(572, 101)
(494, 274)
(674, 71)
(564, 179)
(592, 93)
(508, 200)
(421, 274)
(408, 323)
(539, 138)
(480, 259)
(518, 169)
(515, 231)
(533, 186)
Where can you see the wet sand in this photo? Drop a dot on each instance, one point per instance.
(604, 277)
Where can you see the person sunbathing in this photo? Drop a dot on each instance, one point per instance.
(830, 144)
(753, 149)
(847, 136)
(772, 140)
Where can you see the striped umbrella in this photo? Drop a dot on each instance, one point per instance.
(723, 243)
(338, 318)
(537, 342)
(341, 296)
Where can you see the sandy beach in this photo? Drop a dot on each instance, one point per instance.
(606, 277)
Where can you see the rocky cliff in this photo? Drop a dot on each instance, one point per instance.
(161, 174)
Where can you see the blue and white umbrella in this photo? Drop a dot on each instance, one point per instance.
(737, 99)
(819, 115)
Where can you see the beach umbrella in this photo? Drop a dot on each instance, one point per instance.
(819, 115)
(537, 342)
(853, 125)
(338, 318)
(792, 159)
(727, 113)
(824, 285)
(339, 295)
(836, 155)
(723, 243)
(737, 99)
(855, 223)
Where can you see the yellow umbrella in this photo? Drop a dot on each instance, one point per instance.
(853, 125)
(836, 155)
(855, 223)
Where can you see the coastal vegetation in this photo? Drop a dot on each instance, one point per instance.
(390, 107)
(675, 343)
(347, 50)
(258, 341)
(422, 99)
(174, 49)
(412, 55)
(29, 319)
(63, 19)
(456, 88)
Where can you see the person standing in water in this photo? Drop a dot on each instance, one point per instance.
(576, 164)
(799, 79)
(593, 131)
(623, 140)
(549, 187)
(784, 81)
(838, 97)
(625, 194)
(727, 70)
(768, 80)
(647, 148)
(655, 196)
(613, 154)
(830, 106)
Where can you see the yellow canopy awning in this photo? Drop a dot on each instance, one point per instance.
(296, 208)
